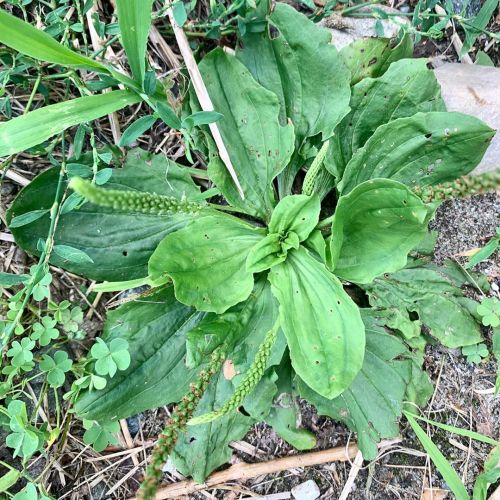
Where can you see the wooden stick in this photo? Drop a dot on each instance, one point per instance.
(203, 97)
(244, 471)
(15, 177)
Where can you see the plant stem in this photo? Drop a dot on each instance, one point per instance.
(177, 424)
(44, 257)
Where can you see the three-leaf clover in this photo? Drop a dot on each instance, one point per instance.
(29, 492)
(20, 352)
(489, 310)
(99, 435)
(44, 331)
(70, 318)
(41, 289)
(24, 438)
(110, 358)
(87, 382)
(475, 352)
(56, 368)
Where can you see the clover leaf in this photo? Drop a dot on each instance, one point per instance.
(29, 492)
(112, 357)
(41, 289)
(24, 438)
(87, 382)
(20, 352)
(44, 331)
(99, 435)
(475, 352)
(56, 368)
(70, 318)
(489, 310)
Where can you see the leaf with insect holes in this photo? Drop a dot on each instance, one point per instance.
(406, 88)
(372, 404)
(155, 328)
(322, 324)
(258, 146)
(242, 328)
(110, 358)
(56, 368)
(420, 150)
(425, 289)
(370, 57)
(44, 331)
(100, 434)
(120, 254)
(284, 415)
(206, 261)
(303, 68)
(374, 228)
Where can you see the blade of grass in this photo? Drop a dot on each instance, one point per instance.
(134, 19)
(478, 25)
(443, 466)
(35, 127)
(30, 41)
(459, 431)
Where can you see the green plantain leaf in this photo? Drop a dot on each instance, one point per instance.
(36, 126)
(298, 213)
(250, 319)
(134, 19)
(120, 243)
(322, 324)
(374, 228)
(370, 57)
(421, 150)
(155, 328)
(28, 40)
(258, 146)
(302, 67)
(406, 88)
(203, 448)
(244, 327)
(293, 219)
(373, 403)
(206, 261)
(425, 290)
(285, 410)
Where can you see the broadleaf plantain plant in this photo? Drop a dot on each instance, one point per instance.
(274, 279)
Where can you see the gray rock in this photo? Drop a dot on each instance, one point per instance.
(474, 90)
(306, 491)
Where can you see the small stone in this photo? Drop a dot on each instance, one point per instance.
(306, 491)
